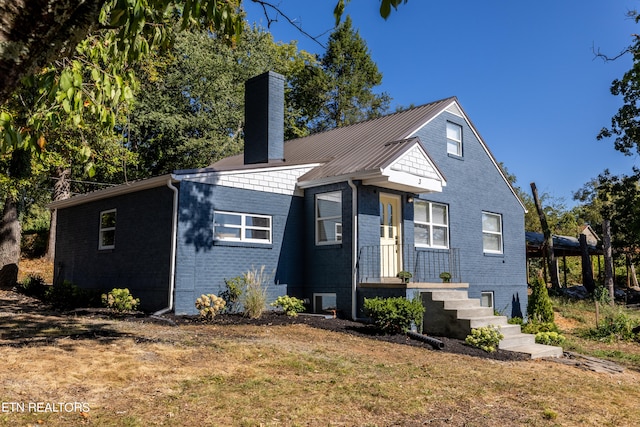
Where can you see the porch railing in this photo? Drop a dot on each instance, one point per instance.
(379, 263)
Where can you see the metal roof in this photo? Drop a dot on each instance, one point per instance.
(355, 148)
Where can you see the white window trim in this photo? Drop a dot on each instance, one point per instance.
(431, 225)
(327, 218)
(104, 229)
(243, 227)
(497, 233)
(458, 142)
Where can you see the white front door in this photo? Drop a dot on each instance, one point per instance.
(390, 238)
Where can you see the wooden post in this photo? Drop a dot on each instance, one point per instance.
(548, 239)
(608, 258)
(587, 269)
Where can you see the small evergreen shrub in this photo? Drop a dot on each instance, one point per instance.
(550, 338)
(540, 307)
(33, 286)
(290, 305)
(120, 300)
(209, 305)
(487, 338)
(254, 297)
(394, 315)
(405, 276)
(231, 295)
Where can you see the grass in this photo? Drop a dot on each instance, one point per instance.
(141, 374)
(145, 374)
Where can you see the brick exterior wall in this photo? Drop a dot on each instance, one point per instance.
(140, 259)
(203, 264)
(474, 185)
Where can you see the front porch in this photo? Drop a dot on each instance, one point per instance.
(386, 264)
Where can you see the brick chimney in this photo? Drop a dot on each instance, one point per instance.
(264, 118)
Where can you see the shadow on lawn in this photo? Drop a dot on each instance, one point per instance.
(25, 322)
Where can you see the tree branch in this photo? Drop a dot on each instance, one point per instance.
(268, 5)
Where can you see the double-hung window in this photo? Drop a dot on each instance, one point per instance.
(431, 224)
(107, 234)
(491, 233)
(454, 139)
(241, 227)
(329, 218)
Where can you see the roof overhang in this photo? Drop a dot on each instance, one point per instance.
(402, 181)
(117, 190)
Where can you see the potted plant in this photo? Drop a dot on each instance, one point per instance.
(404, 276)
(445, 276)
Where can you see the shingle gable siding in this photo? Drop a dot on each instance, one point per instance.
(474, 185)
(140, 260)
(203, 264)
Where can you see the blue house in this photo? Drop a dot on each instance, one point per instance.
(334, 217)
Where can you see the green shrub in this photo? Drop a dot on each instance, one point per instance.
(231, 295)
(540, 308)
(515, 321)
(290, 305)
(615, 326)
(33, 286)
(66, 295)
(394, 315)
(405, 276)
(120, 300)
(550, 338)
(487, 338)
(209, 305)
(254, 297)
(535, 327)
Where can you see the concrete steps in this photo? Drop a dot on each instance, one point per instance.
(452, 313)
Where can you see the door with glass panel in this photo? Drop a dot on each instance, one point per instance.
(390, 239)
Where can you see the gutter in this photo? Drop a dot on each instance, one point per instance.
(174, 238)
(354, 245)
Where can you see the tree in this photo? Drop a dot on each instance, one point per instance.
(189, 111)
(341, 91)
(33, 36)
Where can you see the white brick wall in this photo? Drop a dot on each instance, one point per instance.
(272, 180)
(414, 163)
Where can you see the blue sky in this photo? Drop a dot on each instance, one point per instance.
(524, 72)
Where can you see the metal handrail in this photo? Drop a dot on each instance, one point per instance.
(377, 263)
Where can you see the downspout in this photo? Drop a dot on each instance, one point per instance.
(354, 244)
(174, 234)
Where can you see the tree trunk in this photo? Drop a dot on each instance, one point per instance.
(548, 239)
(61, 191)
(33, 33)
(608, 258)
(9, 244)
(587, 269)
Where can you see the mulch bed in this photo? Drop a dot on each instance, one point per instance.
(346, 326)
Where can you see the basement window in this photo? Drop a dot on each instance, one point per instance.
(324, 302)
(107, 238)
(486, 299)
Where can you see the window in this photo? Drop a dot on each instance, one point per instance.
(454, 139)
(329, 218)
(486, 299)
(107, 229)
(431, 224)
(323, 302)
(491, 233)
(241, 227)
